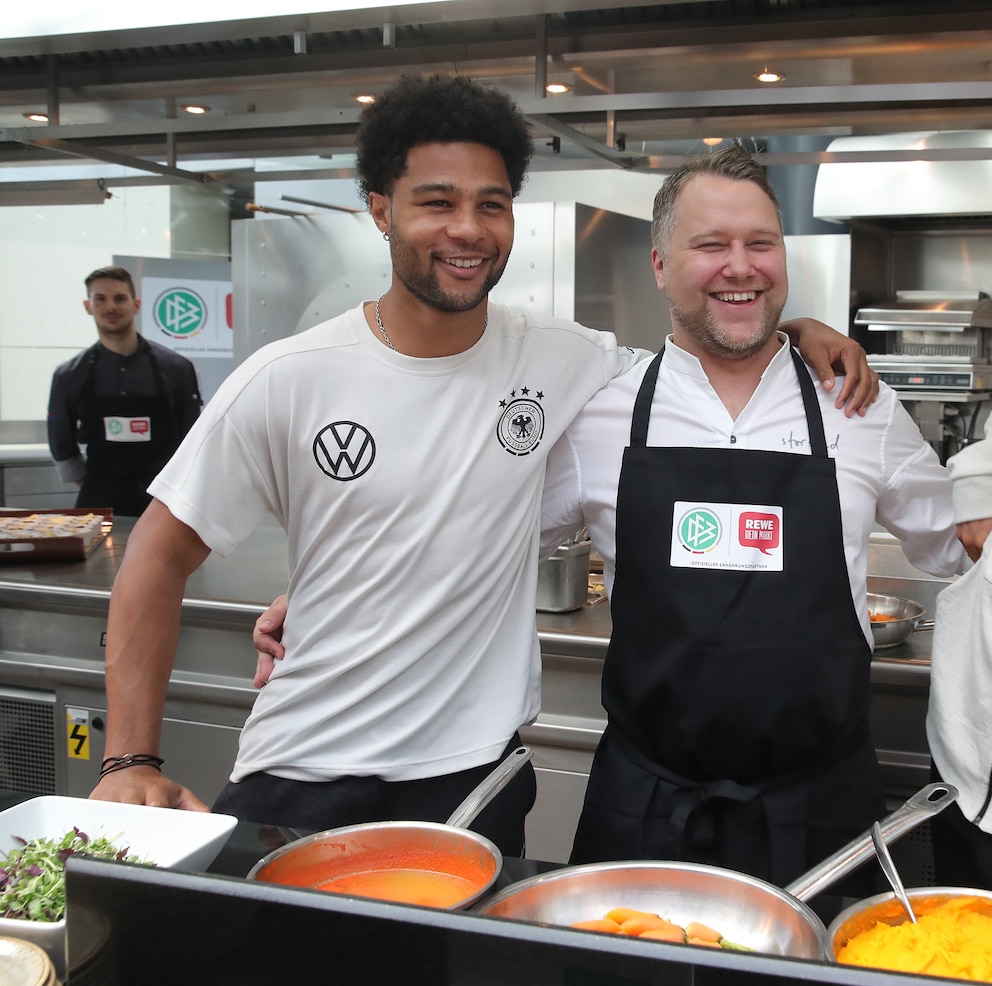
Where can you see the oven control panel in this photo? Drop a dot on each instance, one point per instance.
(930, 380)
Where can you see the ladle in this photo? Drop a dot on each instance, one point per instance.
(890, 871)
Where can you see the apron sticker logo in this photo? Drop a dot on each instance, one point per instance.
(703, 536)
(344, 450)
(521, 424)
(758, 530)
(120, 429)
(180, 313)
(700, 531)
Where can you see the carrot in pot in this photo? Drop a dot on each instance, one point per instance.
(696, 930)
(672, 933)
(648, 922)
(600, 924)
(621, 914)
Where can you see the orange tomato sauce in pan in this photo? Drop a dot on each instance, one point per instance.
(405, 886)
(424, 877)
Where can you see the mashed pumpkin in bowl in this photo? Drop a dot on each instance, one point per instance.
(952, 937)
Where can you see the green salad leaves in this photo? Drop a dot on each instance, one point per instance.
(32, 879)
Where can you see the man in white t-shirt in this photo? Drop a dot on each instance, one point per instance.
(732, 504)
(402, 446)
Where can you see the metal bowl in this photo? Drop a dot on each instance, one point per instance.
(377, 847)
(886, 908)
(745, 910)
(906, 616)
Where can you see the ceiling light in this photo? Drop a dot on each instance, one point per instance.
(556, 88)
(712, 141)
(196, 110)
(37, 117)
(365, 98)
(769, 76)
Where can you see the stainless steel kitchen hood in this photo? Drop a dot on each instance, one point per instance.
(889, 182)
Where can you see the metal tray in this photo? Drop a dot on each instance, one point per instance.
(68, 548)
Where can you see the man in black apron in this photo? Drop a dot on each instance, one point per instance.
(128, 400)
(737, 691)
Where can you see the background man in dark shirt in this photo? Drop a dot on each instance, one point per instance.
(128, 400)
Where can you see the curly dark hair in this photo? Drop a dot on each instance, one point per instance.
(442, 109)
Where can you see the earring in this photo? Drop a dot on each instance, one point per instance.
(385, 236)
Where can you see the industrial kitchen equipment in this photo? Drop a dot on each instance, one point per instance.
(935, 349)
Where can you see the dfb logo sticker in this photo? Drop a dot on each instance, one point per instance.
(344, 450)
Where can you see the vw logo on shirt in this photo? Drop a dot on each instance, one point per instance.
(344, 450)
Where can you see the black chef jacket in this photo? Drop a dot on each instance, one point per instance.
(92, 384)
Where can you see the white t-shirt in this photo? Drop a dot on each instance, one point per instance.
(410, 492)
(886, 472)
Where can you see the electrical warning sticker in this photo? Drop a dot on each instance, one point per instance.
(77, 731)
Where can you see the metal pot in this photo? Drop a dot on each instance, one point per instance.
(907, 617)
(744, 909)
(886, 908)
(429, 863)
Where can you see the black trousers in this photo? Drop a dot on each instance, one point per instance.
(962, 852)
(312, 806)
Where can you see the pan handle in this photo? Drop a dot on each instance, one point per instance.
(480, 796)
(926, 803)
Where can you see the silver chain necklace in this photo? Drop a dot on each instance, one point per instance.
(382, 328)
(385, 335)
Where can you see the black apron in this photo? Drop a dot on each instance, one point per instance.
(737, 700)
(118, 472)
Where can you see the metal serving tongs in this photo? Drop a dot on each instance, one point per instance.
(890, 871)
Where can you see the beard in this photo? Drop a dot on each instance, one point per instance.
(119, 328)
(717, 341)
(426, 286)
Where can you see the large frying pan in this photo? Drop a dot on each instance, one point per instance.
(744, 909)
(427, 863)
(900, 618)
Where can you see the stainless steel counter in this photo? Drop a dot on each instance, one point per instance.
(53, 621)
(18, 453)
(28, 477)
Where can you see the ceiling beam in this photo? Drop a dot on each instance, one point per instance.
(597, 147)
(124, 160)
(770, 99)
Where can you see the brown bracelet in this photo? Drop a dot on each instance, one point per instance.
(112, 764)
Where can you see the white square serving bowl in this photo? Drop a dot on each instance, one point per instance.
(167, 837)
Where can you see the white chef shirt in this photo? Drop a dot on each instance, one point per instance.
(886, 472)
